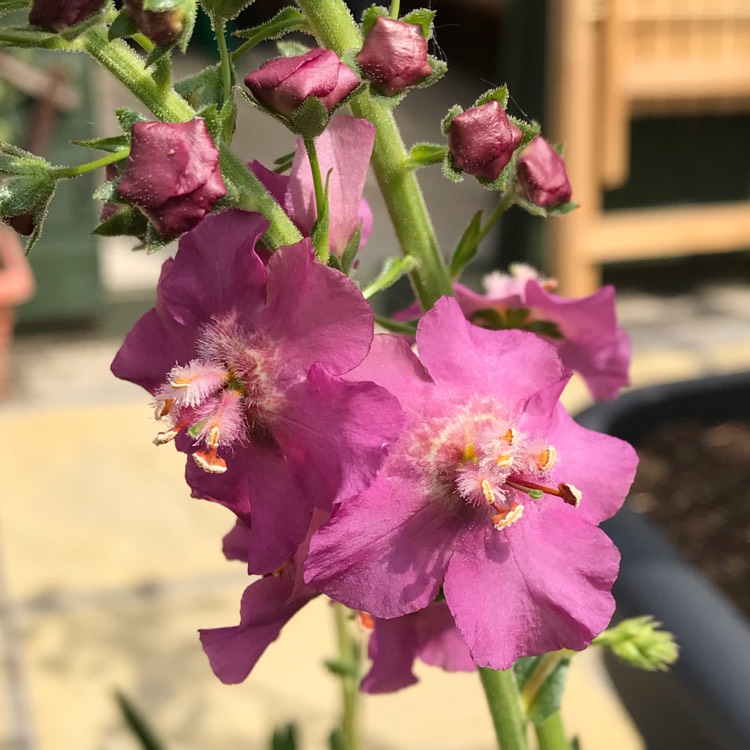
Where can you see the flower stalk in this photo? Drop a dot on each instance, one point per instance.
(91, 166)
(550, 734)
(333, 25)
(349, 654)
(503, 699)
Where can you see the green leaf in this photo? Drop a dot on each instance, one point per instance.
(111, 144)
(575, 744)
(393, 270)
(371, 15)
(408, 327)
(128, 117)
(107, 192)
(25, 193)
(342, 667)
(500, 95)
(129, 222)
(547, 699)
(29, 37)
(423, 17)
(467, 246)
(285, 21)
(336, 740)
(162, 6)
(425, 154)
(11, 6)
(449, 171)
(320, 230)
(453, 112)
(288, 48)
(641, 642)
(203, 88)
(351, 249)
(137, 723)
(122, 26)
(156, 54)
(225, 10)
(284, 738)
(310, 118)
(14, 160)
(283, 163)
(529, 130)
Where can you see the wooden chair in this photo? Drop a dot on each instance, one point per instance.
(610, 61)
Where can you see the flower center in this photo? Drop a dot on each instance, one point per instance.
(221, 397)
(479, 457)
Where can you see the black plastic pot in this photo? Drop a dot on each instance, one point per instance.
(703, 703)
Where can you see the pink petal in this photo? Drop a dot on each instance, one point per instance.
(384, 551)
(344, 149)
(315, 313)
(541, 585)
(511, 365)
(392, 648)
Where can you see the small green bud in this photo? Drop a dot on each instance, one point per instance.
(642, 643)
(161, 21)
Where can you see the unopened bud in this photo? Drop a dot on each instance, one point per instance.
(162, 27)
(482, 140)
(641, 643)
(56, 15)
(542, 175)
(394, 55)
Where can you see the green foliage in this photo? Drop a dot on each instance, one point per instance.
(546, 700)
(284, 22)
(423, 17)
(393, 269)
(311, 118)
(284, 738)
(514, 317)
(129, 222)
(128, 117)
(500, 95)
(289, 48)
(425, 154)
(467, 246)
(202, 89)
(371, 15)
(351, 249)
(11, 6)
(111, 144)
(642, 643)
(225, 10)
(137, 724)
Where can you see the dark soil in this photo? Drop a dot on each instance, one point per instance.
(694, 481)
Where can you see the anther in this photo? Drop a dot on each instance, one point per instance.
(487, 491)
(505, 459)
(570, 494)
(507, 517)
(366, 620)
(510, 436)
(163, 408)
(210, 461)
(546, 458)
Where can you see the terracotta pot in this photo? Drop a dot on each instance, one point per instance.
(16, 286)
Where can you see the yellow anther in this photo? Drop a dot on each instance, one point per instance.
(507, 517)
(546, 459)
(510, 436)
(213, 437)
(165, 437)
(163, 408)
(504, 459)
(570, 494)
(181, 382)
(209, 461)
(487, 491)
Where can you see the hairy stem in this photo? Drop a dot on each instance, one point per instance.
(505, 202)
(504, 702)
(348, 654)
(551, 735)
(321, 249)
(90, 166)
(333, 25)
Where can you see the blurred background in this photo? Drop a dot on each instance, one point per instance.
(107, 568)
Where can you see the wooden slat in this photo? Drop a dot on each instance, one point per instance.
(685, 80)
(660, 232)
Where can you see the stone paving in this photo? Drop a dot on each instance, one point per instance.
(107, 568)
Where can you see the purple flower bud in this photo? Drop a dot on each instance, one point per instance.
(161, 27)
(172, 174)
(394, 55)
(56, 15)
(282, 84)
(542, 175)
(482, 140)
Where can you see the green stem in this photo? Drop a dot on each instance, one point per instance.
(163, 73)
(168, 105)
(506, 201)
(550, 734)
(321, 250)
(333, 25)
(227, 73)
(395, 8)
(90, 166)
(504, 702)
(348, 654)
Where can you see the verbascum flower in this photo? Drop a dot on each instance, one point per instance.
(492, 492)
(394, 55)
(284, 83)
(481, 140)
(56, 15)
(429, 635)
(344, 150)
(542, 176)
(242, 360)
(172, 174)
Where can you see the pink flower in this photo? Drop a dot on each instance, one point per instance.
(267, 605)
(583, 329)
(283, 84)
(242, 361)
(56, 15)
(481, 140)
(429, 635)
(394, 55)
(172, 174)
(542, 175)
(344, 150)
(480, 496)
